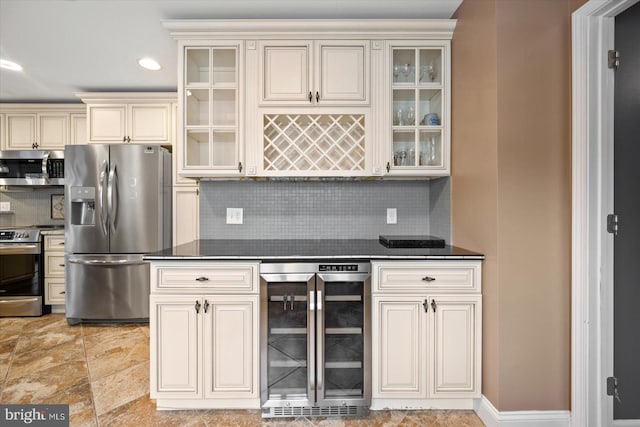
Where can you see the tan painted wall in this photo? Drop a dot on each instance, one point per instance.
(511, 182)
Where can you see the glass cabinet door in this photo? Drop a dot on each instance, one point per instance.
(288, 345)
(211, 108)
(342, 345)
(417, 109)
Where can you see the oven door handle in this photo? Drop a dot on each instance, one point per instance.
(23, 300)
(106, 263)
(19, 249)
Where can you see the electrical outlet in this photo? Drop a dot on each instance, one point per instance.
(392, 216)
(234, 215)
(5, 206)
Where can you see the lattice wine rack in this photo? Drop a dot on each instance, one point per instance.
(314, 142)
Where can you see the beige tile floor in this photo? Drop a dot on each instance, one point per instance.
(102, 372)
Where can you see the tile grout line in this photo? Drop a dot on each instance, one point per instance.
(86, 359)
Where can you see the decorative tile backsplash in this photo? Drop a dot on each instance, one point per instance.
(340, 209)
(29, 206)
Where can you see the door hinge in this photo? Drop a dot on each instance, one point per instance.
(612, 388)
(613, 59)
(612, 224)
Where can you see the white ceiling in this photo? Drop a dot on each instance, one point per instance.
(69, 46)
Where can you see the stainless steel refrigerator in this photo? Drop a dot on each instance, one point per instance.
(117, 208)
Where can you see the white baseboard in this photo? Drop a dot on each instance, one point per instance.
(491, 417)
(626, 423)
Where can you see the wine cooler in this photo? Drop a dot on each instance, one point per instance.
(315, 339)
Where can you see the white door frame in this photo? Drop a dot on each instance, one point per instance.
(592, 199)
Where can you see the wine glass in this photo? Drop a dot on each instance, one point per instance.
(399, 117)
(411, 116)
(406, 72)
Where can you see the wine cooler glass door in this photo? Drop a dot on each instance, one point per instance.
(289, 361)
(343, 342)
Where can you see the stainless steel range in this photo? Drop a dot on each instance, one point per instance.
(22, 273)
(315, 339)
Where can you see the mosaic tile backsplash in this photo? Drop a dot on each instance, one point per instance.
(29, 206)
(289, 209)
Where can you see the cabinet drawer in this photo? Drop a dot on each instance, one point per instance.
(54, 291)
(54, 243)
(449, 276)
(54, 264)
(209, 278)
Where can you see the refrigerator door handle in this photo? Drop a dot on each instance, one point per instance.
(112, 194)
(106, 263)
(101, 187)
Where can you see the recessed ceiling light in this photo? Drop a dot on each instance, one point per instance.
(149, 64)
(10, 65)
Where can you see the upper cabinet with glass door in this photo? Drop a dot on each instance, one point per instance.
(210, 103)
(419, 110)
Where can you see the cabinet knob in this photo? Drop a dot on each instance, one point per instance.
(124, 139)
(61, 265)
(388, 167)
(34, 145)
(425, 304)
(206, 305)
(310, 97)
(433, 305)
(428, 279)
(202, 279)
(63, 292)
(240, 167)
(317, 96)
(198, 307)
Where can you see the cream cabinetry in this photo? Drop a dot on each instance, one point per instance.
(426, 334)
(54, 288)
(186, 216)
(210, 119)
(204, 334)
(313, 98)
(37, 126)
(419, 95)
(114, 117)
(309, 73)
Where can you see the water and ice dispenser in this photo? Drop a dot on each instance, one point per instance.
(83, 205)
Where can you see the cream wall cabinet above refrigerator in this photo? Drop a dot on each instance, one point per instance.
(117, 117)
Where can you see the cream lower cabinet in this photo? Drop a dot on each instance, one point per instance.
(54, 288)
(204, 335)
(426, 343)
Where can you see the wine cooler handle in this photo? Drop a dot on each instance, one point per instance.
(312, 299)
(319, 303)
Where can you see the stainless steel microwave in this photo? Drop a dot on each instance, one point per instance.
(31, 167)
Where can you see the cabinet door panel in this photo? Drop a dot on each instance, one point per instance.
(399, 343)
(53, 131)
(454, 346)
(175, 347)
(285, 72)
(185, 215)
(231, 346)
(21, 131)
(107, 123)
(78, 129)
(343, 73)
(150, 123)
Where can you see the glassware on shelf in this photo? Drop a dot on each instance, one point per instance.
(411, 116)
(428, 72)
(432, 150)
(399, 117)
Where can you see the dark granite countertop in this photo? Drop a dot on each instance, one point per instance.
(303, 249)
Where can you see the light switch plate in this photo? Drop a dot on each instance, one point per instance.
(392, 216)
(234, 215)
(5, 206)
